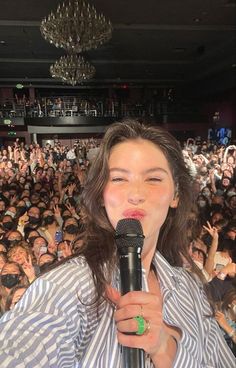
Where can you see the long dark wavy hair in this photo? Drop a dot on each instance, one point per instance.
(99, 247)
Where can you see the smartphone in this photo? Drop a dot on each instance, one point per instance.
(58, 236)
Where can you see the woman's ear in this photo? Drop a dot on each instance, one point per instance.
(175, 202)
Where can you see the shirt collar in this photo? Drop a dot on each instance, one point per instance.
(169, 276)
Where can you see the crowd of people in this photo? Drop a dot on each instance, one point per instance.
(42, 220)
(74, 106)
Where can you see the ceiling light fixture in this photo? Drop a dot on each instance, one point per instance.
(76, 27)
(72, 69)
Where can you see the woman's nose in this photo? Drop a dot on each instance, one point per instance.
(136, 194)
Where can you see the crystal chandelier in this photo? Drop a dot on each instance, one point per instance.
(72, 69)
(76, 27)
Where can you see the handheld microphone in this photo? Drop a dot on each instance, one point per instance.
(129, 240)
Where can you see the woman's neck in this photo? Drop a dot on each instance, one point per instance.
(149, 249)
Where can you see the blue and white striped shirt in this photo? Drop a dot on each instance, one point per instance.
(56, 325)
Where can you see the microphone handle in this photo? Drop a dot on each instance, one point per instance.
(131, 280)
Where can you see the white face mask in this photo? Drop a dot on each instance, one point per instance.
(199, 264)
(42, 250)
(201, 203)
(10, 213)
(59, 254)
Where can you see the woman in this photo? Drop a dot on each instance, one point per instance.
(204, 208)
(39, 247)
(64, 250)
(11, 275)
(22, 255)
(71, 229)
(79, 318)
(14, 296)
(51, 227)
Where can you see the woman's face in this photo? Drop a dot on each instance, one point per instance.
(230, 160)
(140, 186)
(22, 180)
(2, 206)
(206, 192)
(45, 258)
(216, 217)
(39, 246)
(19, 255)
(232, 202)
(17, 296)
(10, 268)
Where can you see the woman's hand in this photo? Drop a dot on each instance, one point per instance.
(57, 210)
(52, 247)
(29, 269)
(229, 269)
(158, 342)
(212, 230)
(220, 317)
(71, 209)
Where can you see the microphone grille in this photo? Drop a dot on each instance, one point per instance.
(129, 233)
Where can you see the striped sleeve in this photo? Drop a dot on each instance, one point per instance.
(41, 330)
(186, 307)
(223, 357)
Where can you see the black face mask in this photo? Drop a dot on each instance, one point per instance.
(49, 220)
(34, 220)
(13, 242)
(10, 280)
(72, 229)
(8, 225)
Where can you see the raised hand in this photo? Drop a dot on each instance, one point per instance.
(212, 230)
(57, 210)
(71, 209)
(29, 269)
(13, 199)
(158, 337)
(220, 317)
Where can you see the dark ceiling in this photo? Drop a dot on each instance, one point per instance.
(166, 43)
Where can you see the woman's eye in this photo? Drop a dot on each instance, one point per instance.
(154, 179)
(117, 179)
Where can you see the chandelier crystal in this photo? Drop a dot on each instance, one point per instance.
(72, 69)
(76, 27)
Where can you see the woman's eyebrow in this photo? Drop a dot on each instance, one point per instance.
(118, 169)
(148, 171)
(156, 169)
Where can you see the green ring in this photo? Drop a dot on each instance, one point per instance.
(141, 325)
